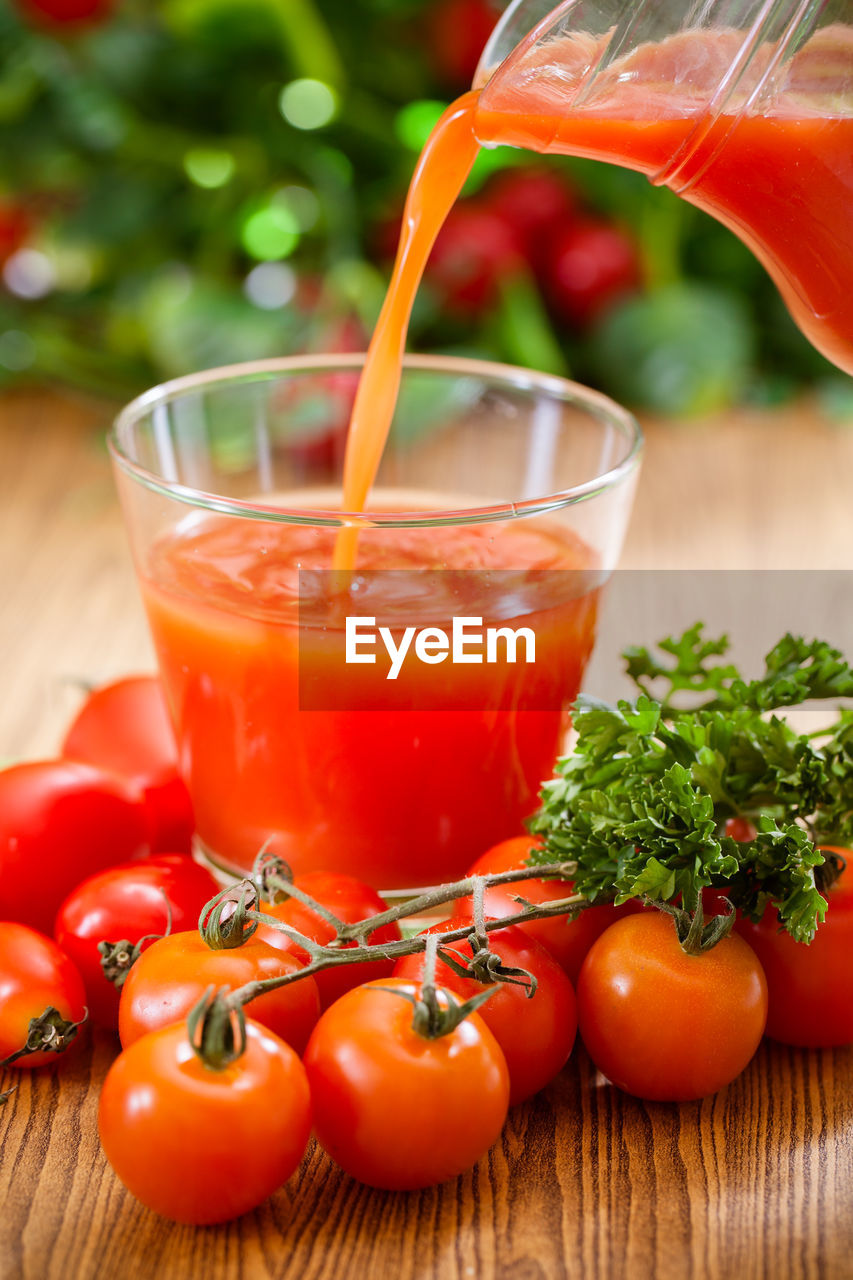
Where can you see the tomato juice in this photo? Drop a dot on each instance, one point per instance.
(402, 796)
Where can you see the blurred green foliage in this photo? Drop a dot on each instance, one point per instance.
(189, 182)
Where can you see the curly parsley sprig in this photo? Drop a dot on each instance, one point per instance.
(641, 803)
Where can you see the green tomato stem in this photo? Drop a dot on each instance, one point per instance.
(48, 1033)
(328, 956)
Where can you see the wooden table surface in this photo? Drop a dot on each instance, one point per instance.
(585, 1182)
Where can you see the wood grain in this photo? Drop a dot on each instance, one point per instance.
(586, 1182)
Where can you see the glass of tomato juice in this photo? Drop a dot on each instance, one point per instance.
(502, 498)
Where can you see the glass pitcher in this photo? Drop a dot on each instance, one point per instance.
(743, 107)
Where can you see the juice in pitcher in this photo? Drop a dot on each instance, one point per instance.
(743, 109)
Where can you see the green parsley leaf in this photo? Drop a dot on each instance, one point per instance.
(641, 803)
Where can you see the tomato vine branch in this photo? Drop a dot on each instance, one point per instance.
(233, 917)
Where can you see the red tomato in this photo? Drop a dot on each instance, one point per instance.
(34, 976)
(170, 978)
(715, 902)
(536, 1033)
(457, 31)
(740, 829)
(536, 203)
(199, 1145)
(67, 12)
(589, 265)
(15, 227)
(567, 941)
(127, 903)
(59, 822)
(665, 1025)
(474, 250)
(323, 408)
(810, 987)
(393, 1108)
(125, 729)
(350, 900)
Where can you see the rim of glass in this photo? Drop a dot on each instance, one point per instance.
(599, 406)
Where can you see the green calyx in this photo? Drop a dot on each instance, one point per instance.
(217, 1030)
(118, 958)
(50, 1032)
(224, 922)
(694, 935)
(437, 1011)
(271, 876)
(485, 965)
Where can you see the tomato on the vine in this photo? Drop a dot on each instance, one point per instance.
(535, 202)
(68, 12)
(197, 1144)
(810, 987)
(61, 821)
(125, 904)
(394, 1108)
(590, 264)
(172, 975)
(321, 442)
(350, 900)
(567, 940)
(124, 728)
(35, 976)
(457, 30)
(740, 829)
(15, 227)
(665, 1025)
(535, 1032)
(473, 252)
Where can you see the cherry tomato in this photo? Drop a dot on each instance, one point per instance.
(536, 1033)
(715, 902)
(810, 987)
(393, 1108)
(59, 822)
(318, 414)
(201, 1145)
(589, 265)
(34, 976)
(536, 203)
(741, 829)
(568, 941)
(473, 251)
(15, 228)
(350, 900)
(126, 903)
(125, 728)
(173, 974)
(665, 1025)
(67, 12)
(457, 31)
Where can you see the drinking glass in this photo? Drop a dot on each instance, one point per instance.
(503, 496)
